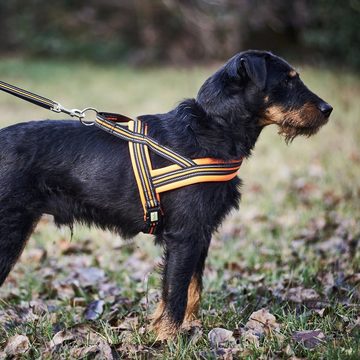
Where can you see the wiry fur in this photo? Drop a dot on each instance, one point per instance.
(83, 174)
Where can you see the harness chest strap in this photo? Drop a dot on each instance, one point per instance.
(152, 182)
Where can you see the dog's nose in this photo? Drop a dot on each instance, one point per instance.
(325, 108)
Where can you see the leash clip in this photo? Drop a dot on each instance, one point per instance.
(58, 108)
(80, 114)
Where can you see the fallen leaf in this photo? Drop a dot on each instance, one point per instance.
(62, 290)
(89, 276)
(218, 336)
(94, 310)
(129, 323)
(250, 337)
(219, 353)
(38, 307)
(353, 278)
(100, 351)
(82, 334)
(60, 337)
(261, 322)
(320, 312)
(309, 338)
(17, 344)
(300, 295)
(85, 351)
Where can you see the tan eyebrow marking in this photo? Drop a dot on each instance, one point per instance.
(292, 73)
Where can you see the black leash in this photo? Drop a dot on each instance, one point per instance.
(46, 103)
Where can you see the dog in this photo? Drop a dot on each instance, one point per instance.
(83, 174)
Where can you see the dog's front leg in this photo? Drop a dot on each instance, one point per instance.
(181, 283)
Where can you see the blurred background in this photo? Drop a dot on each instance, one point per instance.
(180, 32)
(294, 245)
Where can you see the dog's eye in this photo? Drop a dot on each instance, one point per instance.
(287, 80)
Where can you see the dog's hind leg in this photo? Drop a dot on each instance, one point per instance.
(18, 217)
(16, 225)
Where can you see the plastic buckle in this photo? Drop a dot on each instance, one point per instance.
(153, 215)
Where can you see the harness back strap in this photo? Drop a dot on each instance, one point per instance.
(151, 182)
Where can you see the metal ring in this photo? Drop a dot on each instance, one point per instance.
(87, 122)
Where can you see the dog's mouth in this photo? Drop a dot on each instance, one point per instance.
(291, 132)
(292, 123)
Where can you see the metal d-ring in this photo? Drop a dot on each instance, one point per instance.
(87, 122)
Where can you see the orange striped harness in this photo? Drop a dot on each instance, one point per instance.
(151, 182)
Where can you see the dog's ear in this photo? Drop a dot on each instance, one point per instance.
(255, 69)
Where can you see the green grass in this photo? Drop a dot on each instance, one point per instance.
(298, 226)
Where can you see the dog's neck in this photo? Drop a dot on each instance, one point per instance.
(228, 137)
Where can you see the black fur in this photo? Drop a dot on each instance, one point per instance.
(83, 174)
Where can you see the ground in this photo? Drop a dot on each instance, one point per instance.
(283, 276)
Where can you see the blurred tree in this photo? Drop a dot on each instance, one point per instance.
(178, 31)
(334, 30)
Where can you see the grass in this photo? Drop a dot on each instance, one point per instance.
(298, 228)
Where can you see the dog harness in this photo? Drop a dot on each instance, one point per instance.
(150, 182)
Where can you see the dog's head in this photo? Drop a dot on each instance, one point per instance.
(264, 89)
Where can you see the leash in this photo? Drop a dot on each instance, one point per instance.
(150, 182)
(45, 102)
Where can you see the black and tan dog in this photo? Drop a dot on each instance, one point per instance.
(83, 174)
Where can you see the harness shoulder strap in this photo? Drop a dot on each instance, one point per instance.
(119, 129)
(141, 164)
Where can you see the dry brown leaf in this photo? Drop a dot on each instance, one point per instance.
(60, 337)
(218, 336)
(300, 295)
(129, 323)
(309, 338)
(63, 291)
(82, 334)
(219, 354)
(17, 344)
(82, 352)
(250, 337)
(38, 307)
(17, 314)
(353, 278)
(261, 322)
